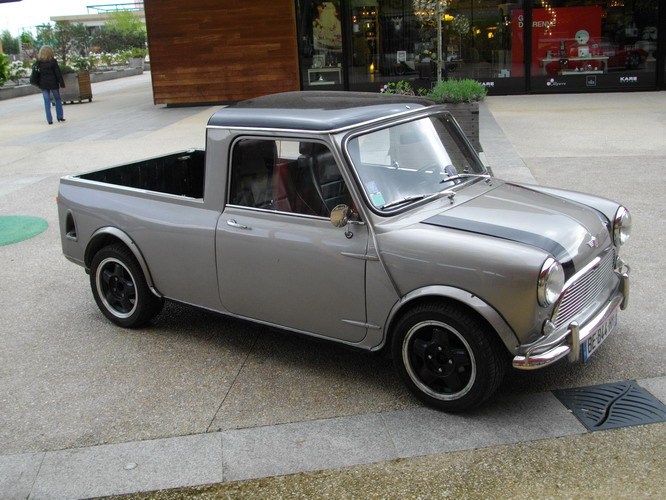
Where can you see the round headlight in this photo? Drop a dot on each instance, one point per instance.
(621, 226)
(551, 282)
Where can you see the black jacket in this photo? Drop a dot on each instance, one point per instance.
(50, 76)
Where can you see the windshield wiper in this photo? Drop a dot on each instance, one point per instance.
(406, 199)
(416, 197)
(464, 176)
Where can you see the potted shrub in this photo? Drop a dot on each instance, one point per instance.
(4, 69)
(137, 57)
(462, 98)
(77, 80)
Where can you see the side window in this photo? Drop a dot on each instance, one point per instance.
(253, 162)
(286, 176)
(318, 184)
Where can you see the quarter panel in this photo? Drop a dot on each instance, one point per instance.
(175, 236)
(501, 273)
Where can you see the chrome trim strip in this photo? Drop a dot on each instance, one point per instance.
(581, 276)
(540, 360)
(574, 342)
(279, 212)
(361, 324)
(335, 130)
(485, 310)
(360, 256)
(131, 245)
(110, 187)
(625, 289)
(571, 281)
(568, 343)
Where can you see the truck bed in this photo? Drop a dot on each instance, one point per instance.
(179, 174)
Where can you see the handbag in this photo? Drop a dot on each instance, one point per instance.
(34, 76)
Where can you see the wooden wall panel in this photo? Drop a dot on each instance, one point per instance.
(204, 51)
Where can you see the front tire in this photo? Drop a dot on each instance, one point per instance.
(448, 358)
(120, 289)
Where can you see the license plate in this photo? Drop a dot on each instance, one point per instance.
(598, 336)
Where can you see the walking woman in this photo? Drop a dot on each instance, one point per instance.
(50, 81)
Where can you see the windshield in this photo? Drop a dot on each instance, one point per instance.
(405, 163)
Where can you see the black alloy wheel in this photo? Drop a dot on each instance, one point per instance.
(448, 358)
(120, 289)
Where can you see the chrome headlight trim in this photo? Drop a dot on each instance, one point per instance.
(551, 282)
(621, 226)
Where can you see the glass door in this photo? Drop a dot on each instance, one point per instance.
(320, 44)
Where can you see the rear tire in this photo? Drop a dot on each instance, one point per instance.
(120, 288)
(448, 358)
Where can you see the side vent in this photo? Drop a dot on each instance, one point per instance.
(70, 227)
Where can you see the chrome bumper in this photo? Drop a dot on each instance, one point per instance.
(568, 344)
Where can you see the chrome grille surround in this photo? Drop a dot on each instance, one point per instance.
(584, 288)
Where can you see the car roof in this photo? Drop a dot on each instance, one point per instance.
(314, 110)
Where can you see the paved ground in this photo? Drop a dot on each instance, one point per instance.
(89, 409)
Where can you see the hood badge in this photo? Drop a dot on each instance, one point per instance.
(593, 243)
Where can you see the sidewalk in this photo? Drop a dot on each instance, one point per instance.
(93, 410)
(412, 451)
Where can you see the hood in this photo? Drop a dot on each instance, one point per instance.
(569, 231)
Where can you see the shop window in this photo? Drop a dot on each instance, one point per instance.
(320, 44)
(490, 46)
(394, 40)
(574, 44)
(594, 44)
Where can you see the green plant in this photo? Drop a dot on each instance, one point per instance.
(402, 87)
(82, 63)
(10, 45)
(122, 31)
(66, 39)
(136, 52)
(4, 68)
(65, 69)
(464, 90)
(17, 70)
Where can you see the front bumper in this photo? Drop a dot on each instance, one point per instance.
(569, 343)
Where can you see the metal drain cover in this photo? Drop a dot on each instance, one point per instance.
(609, 406)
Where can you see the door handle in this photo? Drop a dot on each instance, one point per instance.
(233, 223)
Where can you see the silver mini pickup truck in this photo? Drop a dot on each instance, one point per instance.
(364, 219)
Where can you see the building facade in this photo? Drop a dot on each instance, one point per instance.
(210, 51)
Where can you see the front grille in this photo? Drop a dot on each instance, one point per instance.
(584, 290)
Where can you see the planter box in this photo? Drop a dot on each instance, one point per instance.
(467, 116)
(103, 76)
(9, 92)
(137, 62)
(77, 87)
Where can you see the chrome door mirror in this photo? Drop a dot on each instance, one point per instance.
(340, 216)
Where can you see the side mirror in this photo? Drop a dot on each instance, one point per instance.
(340, 215)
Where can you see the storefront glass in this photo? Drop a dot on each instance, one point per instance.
(395, 40)
(550, 45)
(373, 42)
(583, 45)
(320, 44)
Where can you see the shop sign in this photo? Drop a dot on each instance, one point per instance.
(558, 33)
(628, 79)
(552, 82)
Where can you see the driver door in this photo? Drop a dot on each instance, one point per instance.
(280, 260)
